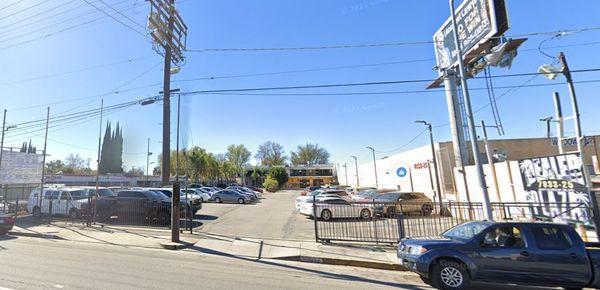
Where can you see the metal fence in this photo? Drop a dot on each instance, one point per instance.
(374, 222)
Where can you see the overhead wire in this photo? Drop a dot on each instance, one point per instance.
(116, 19)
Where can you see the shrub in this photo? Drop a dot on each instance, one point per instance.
(271, 184)
(279, 174)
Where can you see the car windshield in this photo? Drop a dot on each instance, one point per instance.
(466, 231)
(159, 194)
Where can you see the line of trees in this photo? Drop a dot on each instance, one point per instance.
(111, 154)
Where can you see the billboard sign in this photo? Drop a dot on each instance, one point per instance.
(558, 180)
(21, 168)
(477, 21)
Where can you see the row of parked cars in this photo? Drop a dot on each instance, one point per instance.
(148, 203)
(343, 203)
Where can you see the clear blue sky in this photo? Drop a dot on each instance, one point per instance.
(343, 124)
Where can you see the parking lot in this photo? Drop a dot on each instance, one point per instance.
(273, 217)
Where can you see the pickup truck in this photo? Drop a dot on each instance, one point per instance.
(522, 253)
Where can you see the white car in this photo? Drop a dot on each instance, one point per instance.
(306, 206)
(196, 193)
(60, 200)
(321, 192)
(330, 208)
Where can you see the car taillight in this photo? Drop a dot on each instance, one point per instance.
(8, 219)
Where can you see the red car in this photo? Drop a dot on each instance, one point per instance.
(6, 223)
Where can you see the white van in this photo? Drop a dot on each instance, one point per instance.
(63, 201)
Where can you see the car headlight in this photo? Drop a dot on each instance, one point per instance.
(418, 250)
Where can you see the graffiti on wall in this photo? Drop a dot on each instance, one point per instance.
(558, 185)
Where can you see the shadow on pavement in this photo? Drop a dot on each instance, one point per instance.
(323, 274)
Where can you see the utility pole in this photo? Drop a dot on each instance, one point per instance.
(93, 213)
(374, 165)
(487, 209)
(2, 142)
(560, 131)
(548, 120)
(176, 188)
(356, 167)
(435, 166)
(490, 159)
(579, 136)
(44, 157)
(166, 150)
(148, 161)
(346, 172)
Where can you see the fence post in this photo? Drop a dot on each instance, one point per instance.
(401, 233)
(314, 206)
(375, 222)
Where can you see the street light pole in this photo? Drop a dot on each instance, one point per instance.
(548, 120)
(374, 166)
(435, 165)
(356, 167)
(346, 172)
(2, 142)
(148, 161)
(487, 209)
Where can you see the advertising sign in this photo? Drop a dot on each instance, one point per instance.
(477, 21)
(21, 168)
(557, 180)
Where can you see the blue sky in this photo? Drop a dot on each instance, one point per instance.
(343, 124)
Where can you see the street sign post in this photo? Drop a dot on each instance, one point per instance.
(477, 22)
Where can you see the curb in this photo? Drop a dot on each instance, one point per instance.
(35, 235)
(175, 246)
(343, 262)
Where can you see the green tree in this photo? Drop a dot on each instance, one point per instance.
(270, 154)
(238, 156)
(55, 166)
(111, 153)
(279, 174)
(270, 184)
(309, 154)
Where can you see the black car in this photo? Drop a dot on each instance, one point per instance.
(143, 204)
(527, 253)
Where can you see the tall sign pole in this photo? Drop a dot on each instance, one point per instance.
(374, 166)
(487, 209)
(93, 213)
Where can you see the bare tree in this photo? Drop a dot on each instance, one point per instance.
(271, 154)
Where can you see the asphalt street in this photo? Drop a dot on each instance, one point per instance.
(33, 263)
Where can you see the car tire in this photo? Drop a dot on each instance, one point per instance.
(426, 210)
(36, 212)
(217, 200)
(326, 215)
(365, 214)
(450, 275)
(202, 199)
(391, 212)
(425, 280)
(73, 214)
(241, 201)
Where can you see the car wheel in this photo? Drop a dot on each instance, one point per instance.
(425, 280)
(450, 275)
(391, 211)
(217, 200)
(241, 201)
(365, 214)
(202, 199)
(73, 214)
(326, 215)
(426, 209)
(36, 212)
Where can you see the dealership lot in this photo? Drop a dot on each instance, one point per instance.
(273, 217)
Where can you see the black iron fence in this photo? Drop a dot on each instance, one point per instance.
(374, 222)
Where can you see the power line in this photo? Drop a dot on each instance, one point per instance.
(406, 144)
(388, 44)
(116, 19)
(37, 14)
(11, 4)
(24, 9)
(120, 13)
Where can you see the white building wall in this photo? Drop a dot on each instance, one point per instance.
(509, 183)
(415, 162)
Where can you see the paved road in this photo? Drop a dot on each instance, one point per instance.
(273, 217)
(32, 263)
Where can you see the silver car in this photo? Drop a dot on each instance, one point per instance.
(230, 196)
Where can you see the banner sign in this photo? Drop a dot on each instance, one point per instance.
(557, 180)
(476, 21)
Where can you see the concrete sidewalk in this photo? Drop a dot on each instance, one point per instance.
(368, 256)
(358, 255)
(112, 235)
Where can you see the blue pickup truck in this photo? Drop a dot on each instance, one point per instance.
(522, 253)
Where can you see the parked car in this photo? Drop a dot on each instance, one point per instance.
(403, 202)
(254, 188)
(196, 193)
(309, 189)
(252, 196)
(196, 203)
(330, 208)
(227, 195)
(527, 253)
(104, 200)
(256, 194)
(315, 195)
(143, 204)
(7, 222)
(61, 201)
